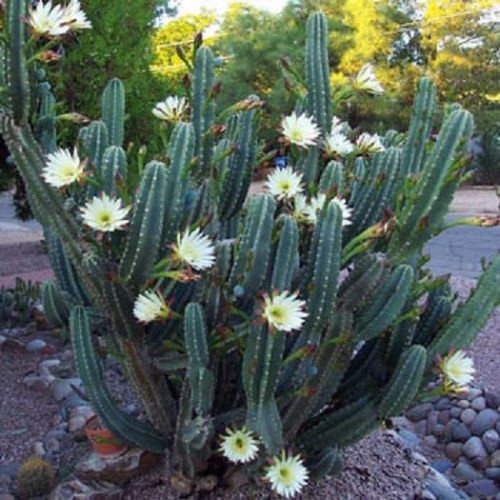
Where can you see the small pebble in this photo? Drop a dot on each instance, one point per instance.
(438, 430)
(491, 440)
(443, 404)
(52, 445)
(463, 403)
(454, 450)
(409, 438)
(474, 447)
(39, 449)
(444, 417)
(432, 420)
(492, 400)
(76, 423)
(480, 463)
(430, 441)
(466, 472)
(493, 473)
(474, 393)
(479, 403)
(468, 416)
(61, 388)
(482, 488)
(35, 345)
(442, 492)
(495, 459)
(486, 419)
(420, 427)
(455, 412)
(441, 465)
(460, 432)
(37, 382)
(419, 412)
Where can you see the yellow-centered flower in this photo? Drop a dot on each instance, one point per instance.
(284, 183)
(172, 109)
(151, 306)
(239, 446)
(63, 168)
(369, 144)
(47, 19)
(284, 312)
(105, 214)
(194, 249)
(300, 130)
(287, 475)
(458, 371)
(75, 17)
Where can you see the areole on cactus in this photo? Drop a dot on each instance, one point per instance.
(230, 317)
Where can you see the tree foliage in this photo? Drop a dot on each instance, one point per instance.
(119, 45)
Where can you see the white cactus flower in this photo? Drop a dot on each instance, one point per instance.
(47, 19)
(300, 130)
(367, 81)
(105, 214)
(287, 475)
(284, 183)
(300, 208)
(458, 371)
(151, 306)
(346, 211)
(284, 312)
(172, 109)
(338, 144)
(339, 126)
(63, 168)
(239, 446)
(314, 208)
(75, 17)
(369, 144)
(194, 249)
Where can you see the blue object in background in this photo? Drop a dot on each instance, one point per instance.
(281, 162)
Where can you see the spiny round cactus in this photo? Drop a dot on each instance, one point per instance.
(35, 478)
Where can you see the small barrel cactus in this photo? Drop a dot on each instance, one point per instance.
(35, 478)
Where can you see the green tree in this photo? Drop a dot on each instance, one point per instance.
(118, 45)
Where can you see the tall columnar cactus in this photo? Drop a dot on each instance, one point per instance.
(291, 319)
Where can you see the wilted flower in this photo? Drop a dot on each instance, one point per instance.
(284, 183)
(367, 81)
(63, 168)
(47, 19)
(284, 312)
(194, 249)
(368, 144)
(337, 144)
(151, 306)
(300, 130)
(458, 371)
(75, 17)
(105, 214)
(172, 109)
(239, 446)
(346, 211)
(287, 475)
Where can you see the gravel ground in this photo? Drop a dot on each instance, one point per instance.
(377, 467)
(25, 414)
(486, 347)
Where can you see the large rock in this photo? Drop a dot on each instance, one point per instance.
(485, 420)
(117, 470)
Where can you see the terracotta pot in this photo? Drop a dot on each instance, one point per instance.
(103, 441)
